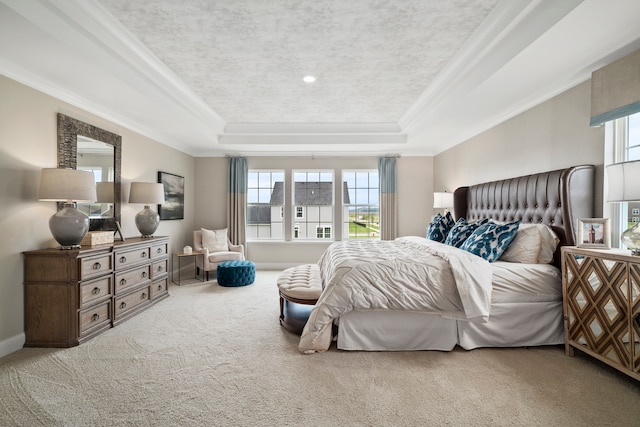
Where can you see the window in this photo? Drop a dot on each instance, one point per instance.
(265, 202)
(323, 232)
(313, 202)
(626, 147)
(361, 207)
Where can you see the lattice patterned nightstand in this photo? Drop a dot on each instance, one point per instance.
(601, 290)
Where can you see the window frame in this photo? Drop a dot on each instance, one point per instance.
(346, 217)
(306, 221)
(279, 215)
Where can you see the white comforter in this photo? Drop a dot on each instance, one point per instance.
(409, 273)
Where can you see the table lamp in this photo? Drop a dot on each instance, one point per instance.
(148, 193)
(68, 226)
(442, 200)
(624, 186)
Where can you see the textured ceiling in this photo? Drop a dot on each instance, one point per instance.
(246, 58)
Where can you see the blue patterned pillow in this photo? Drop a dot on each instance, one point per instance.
(490, 240)
(462, 230)
(440, 226)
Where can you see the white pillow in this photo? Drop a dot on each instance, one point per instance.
(215, 240)
(533, 244)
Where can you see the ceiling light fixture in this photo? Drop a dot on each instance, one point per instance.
(309, 79)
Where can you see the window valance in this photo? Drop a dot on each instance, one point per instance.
(615, 89)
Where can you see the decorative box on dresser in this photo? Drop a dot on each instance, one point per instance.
(601, 291)
(73, 295)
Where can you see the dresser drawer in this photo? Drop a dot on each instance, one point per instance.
(95, 266)
(94, 317)
(127, 279)
(158, 251)
(159, 268)
(126, 259)
(95, 290)
(130, 301)
(159, 288)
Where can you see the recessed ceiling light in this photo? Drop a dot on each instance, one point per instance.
(309, 79)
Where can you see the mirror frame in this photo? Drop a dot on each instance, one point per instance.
(68, 131)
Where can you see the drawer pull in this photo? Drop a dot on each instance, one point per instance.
(143, 254)
(123, 259)
(159, 268)
(97, 266)
(123, 282)
(143, 295)
(95, 317)
(159, 250)
(144, 274)
(95, 290)
(123, 304)
(159, 287)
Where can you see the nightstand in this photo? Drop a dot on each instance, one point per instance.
(601, 294)
(183, 256)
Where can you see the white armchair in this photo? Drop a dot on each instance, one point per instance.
(210, 260)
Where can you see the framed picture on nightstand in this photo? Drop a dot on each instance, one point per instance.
(594, 233)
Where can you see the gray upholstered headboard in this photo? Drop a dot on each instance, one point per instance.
(557, 198)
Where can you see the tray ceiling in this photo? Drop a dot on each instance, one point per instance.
(410, 77)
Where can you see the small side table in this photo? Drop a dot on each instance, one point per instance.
(180, 256)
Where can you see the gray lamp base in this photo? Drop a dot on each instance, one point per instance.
(69, 226)
(147, 221)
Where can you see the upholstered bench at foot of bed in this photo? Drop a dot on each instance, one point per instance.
(298, 285)
(236, 273)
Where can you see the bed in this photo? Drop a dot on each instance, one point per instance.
(469, 302)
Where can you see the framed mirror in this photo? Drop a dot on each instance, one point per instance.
(84, 146)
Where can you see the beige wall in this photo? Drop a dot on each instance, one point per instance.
(28, 143)
(414, 179)
(552, 135)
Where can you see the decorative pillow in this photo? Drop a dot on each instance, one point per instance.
(490, 240)
(215, 240)
(462, 230)
(440, 226)
(533, 244)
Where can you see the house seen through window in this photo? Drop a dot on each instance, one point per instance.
(313, 204)
(265, 202)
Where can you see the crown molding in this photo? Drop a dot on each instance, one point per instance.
(312, 128)
(507, 31)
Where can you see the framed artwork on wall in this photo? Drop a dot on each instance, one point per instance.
(173, 207)
(594, 233)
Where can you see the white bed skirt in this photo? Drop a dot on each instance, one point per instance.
(510, 325)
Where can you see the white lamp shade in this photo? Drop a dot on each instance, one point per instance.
(442, 200)
(67, 185)
(148, 193)
(105, 192)
(623, 182)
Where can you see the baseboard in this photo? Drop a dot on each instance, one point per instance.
(12, 344)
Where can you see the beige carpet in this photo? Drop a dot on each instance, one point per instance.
(213, 356)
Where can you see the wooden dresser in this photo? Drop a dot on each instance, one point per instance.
(73, 295)
(601, 290)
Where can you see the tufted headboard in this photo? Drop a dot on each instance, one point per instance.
(557, 198)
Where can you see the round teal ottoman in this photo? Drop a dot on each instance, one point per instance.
(236, 273)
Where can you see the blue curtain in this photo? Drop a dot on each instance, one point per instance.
(237, 176)
(388, 199)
